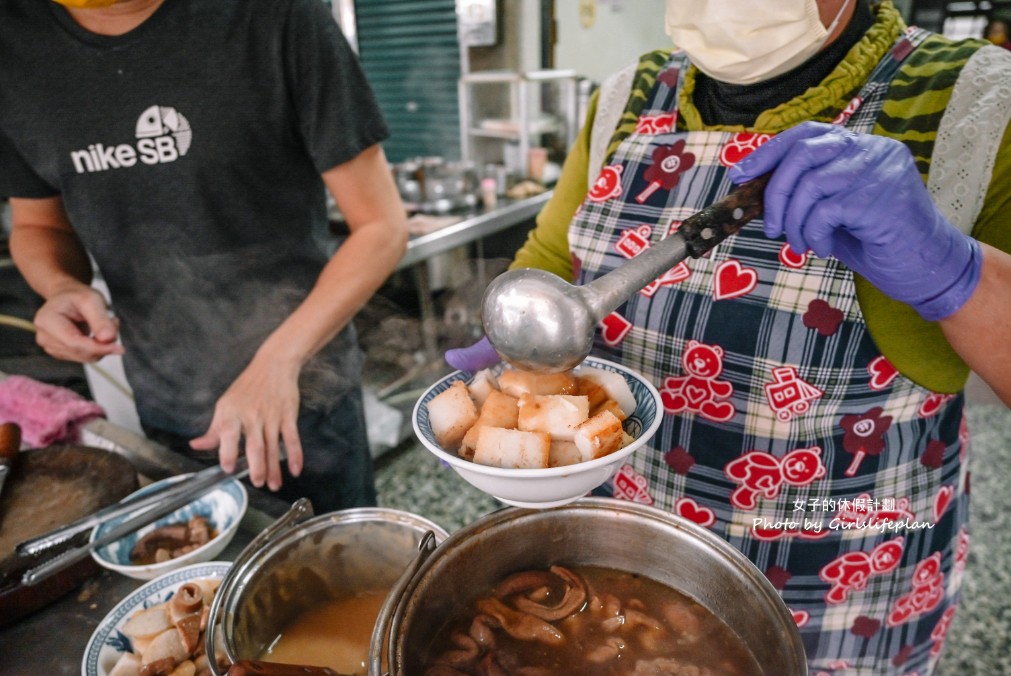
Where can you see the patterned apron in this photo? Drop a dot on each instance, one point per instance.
(785, 429)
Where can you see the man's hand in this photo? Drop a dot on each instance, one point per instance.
(261, 407)
(75, 324)
(861, 199)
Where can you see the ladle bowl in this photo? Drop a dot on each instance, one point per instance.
(554, 318)
(537, 321)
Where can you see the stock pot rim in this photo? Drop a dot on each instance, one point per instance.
(295, 525)
(396, 605)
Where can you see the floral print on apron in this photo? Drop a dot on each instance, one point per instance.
(785, 429)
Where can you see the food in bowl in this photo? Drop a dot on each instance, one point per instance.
(222, 507)
(541, 487)
(587, 620)
(173, 540)
(334, 634)
(525, 420)
(168, 637)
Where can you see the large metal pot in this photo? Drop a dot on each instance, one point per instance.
(301, 561)
(593, 531)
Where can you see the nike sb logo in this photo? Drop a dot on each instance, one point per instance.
(163, 135)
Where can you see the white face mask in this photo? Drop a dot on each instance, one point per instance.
(746, 44)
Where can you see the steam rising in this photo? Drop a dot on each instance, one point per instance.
(200, 319)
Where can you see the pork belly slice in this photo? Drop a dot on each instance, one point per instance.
(599, 436)
(556, 414)
(499, 447)
(451, 413)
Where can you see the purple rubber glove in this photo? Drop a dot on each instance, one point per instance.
(861, 199)
(478, 356)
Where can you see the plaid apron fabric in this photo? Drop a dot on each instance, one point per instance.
(785, 429)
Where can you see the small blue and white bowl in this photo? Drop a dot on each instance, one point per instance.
(553, 486)
(108, 642)
(223, 507)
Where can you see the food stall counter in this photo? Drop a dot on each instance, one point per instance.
(52, 640)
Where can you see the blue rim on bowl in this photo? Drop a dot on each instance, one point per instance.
(107, 642)
(223, 506)
(539, 488)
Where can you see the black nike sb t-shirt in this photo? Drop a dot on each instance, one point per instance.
(188, 155)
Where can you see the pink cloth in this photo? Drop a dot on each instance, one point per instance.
(46, 413)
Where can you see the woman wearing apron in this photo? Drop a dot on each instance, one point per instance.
(813, 414)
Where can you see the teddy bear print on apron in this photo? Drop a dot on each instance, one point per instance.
(785, 429)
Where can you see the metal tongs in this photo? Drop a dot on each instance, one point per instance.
(145, 509)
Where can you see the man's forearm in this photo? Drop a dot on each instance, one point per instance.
(45, 250)
(364, 190)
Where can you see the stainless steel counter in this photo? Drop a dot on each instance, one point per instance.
(473, 227)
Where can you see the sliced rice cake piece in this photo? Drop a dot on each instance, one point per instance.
(481, 385)
(517, 383)
(564, 453)
(599, 436)
(556, 414)
(499, 410)
(499, 447)
(451, 413)
(608, 405)
(592, 390)
(614, 384)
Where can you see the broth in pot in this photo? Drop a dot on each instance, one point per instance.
(334, 634)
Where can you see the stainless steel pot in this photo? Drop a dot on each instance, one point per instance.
(592, 531)
(300, 561)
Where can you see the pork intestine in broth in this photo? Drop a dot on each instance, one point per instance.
(586, 621)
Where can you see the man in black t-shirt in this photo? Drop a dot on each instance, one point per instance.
(187, 146)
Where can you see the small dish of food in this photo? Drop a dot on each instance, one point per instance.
(196, 532)
(538, 440)
(161, 623)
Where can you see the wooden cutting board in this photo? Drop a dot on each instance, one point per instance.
(51, 487)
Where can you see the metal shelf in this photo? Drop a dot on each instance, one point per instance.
(526, 111)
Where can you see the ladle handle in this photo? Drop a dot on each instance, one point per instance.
(698, 234)
(725, 217)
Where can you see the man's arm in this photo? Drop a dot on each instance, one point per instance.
(262, 404)
(74, 322)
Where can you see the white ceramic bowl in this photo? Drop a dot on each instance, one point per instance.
(223, 507)
(554, 486)
(108, 641)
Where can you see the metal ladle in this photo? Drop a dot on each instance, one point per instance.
(537, 321)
